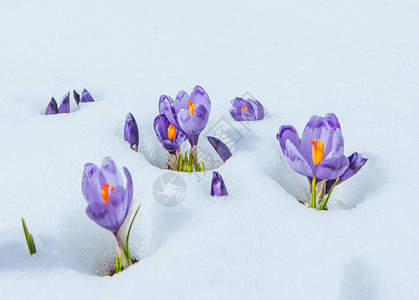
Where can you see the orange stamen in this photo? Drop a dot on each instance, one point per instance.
(171, 132)
(191, 107)
(244, 107)
(318, 151)
(104, 192)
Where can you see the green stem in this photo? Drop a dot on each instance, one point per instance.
(129, 231)
(322, 207)
(313, 193)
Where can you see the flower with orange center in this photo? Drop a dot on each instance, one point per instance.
(105, 193)
(171, 132)
(318, 151)
(244, 107)
(191, 107)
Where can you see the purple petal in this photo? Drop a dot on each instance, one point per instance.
(200, 97)
(296, 161)
(129, 190)
(221, 148)
(109, 173)
(181, 101)
(161, 125)
(90, 184)
(331, 168)
(322, 128)
(288, 132)
(131, 134)
(237, 114)
(192, 125)
(164, 99)
(86, 97)
(356, 161)
(65, 104)
(51, 107)
(259, 111)
(218, 187)
(170, 113)
(112, 214)
(76, 97)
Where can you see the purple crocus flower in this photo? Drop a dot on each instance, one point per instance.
(109, 202)
(218, 187)
(65, 104)
(247, 110)
(169, 136)
(52, 108)
(319, 153)
(221, 148)
(85, 96)
(187, 113)
(76, 97)
(131, 134)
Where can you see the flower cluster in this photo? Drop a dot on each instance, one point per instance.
(181, 119)
(53, 108)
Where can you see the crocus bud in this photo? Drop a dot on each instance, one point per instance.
(221, 148)
(86, 97)
(218, 187)
(76, 97)
(52, 107)
(65, 104)
(131, 134)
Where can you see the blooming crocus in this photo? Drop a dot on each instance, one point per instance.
(221, 148)
(85, 96)
(169, 136)
(65, 104)
(109, 202)
(188, 113)
(319, 153)
(131, 134)
(247, 110)
(218, 187)
(52, 108)
(76, 97)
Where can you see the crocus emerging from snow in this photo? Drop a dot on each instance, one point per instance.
(52, 107)
(220, 148)
(218, 187)
(319, 154)
(85, 96)
(76, 97)
(131, 134)
(109, 202)
(247, 110)
(169, 136)
(65, 104)
(187, 113)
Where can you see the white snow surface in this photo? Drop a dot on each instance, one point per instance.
(358, 59)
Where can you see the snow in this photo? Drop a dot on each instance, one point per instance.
(358, 59)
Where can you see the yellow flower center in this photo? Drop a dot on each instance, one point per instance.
(244, 107)
(318, 151)
(171, 132)
(191, 106)
(105, 194)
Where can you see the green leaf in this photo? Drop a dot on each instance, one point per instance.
(29, 239)
(323, 206)
(203, 167)
(180, 163)
(197, 167)
(127, 241)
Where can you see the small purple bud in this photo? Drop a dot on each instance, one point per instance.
(218, 187)
(76, 97)
(52, 107)
(86, 97)
(131, 134)
(65, 104)
(220, 148)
